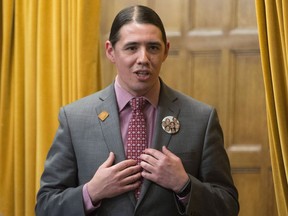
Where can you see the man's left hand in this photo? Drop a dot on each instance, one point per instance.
(164, 168)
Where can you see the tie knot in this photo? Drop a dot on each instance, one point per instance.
(137, 103)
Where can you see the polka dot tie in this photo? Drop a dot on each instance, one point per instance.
(137, 132)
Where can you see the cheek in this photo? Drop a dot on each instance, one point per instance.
(125, 61)
(124, 68)
(156, 62)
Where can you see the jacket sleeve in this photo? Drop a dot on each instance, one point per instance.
(213, 192)
(60, 193)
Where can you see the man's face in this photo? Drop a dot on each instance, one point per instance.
(138, 56)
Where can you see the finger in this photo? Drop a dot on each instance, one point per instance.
(153, 152)
(130, 171)
(132, 179)
(147, 175)
(148, 159)
(130, 187)
(147, 167)
(125, 164)
(109, 161)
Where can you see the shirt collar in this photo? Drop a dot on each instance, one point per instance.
(123, 96)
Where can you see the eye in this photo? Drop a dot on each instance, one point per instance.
(154, 48)
(131, 48)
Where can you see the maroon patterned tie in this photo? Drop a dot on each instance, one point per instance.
(137, 132)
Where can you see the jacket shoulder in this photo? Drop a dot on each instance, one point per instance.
(186, 101)
(91, 101)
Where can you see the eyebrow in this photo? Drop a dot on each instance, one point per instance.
(156, 43)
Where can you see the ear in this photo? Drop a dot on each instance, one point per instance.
(109, 51)
(166, 50)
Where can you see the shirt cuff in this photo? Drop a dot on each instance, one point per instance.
(184, 200)
(183, 195)
(88, 205)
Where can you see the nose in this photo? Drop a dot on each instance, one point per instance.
(143, 57)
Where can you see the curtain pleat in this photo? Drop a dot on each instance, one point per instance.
(49, 57)
(273, 35)
(6, 107)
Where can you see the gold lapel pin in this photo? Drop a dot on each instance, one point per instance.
(103, 115)
(170, 124)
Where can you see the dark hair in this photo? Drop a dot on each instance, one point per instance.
(139, 14)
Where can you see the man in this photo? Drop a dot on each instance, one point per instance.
(183, 170)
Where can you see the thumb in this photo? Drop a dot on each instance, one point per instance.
(167, 152)
(109, 161)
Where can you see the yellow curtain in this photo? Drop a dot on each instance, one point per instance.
(49, 56)
(272, 16)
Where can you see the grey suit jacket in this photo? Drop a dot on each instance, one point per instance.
(83, 142)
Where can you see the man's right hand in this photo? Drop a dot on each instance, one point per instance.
(112, 180)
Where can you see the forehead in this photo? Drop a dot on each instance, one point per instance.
(137, 32)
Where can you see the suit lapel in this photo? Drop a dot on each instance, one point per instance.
(110, 126)
(167, 106)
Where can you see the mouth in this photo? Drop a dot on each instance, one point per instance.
(142, 73)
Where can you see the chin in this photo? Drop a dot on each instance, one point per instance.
(140, 91)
